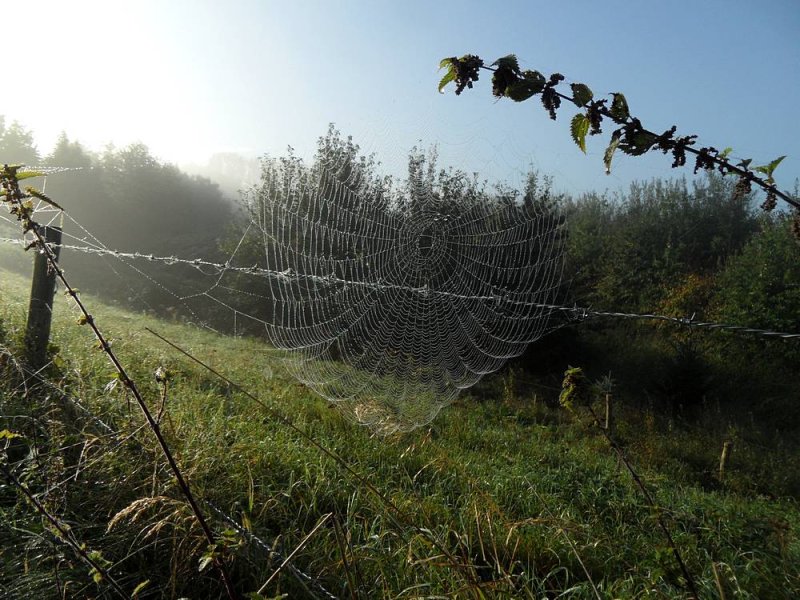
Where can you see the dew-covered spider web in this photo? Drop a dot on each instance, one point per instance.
(393, 301)
(389, 295)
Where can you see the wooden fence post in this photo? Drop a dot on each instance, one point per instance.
(40, 310)
(723, 459)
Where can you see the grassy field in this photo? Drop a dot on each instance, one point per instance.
(504, 495)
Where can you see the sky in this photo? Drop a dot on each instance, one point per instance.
(191, 78)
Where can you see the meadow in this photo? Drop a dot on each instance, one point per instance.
(504, 495)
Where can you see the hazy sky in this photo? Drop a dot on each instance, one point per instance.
(189, 78)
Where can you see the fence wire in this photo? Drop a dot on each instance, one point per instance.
(573, 313)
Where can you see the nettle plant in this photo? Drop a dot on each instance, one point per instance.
(21, 203)
(630, 136)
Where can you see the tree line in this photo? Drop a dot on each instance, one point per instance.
(127, 200)
(683, 248)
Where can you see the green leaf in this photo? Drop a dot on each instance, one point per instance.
(43, 197)
(578, 128)
(619, 107)
(536, 80)
(726, 153)
(98, 557)
(140, 587)
(637, 143)
(575, 389)
(612, 147)
(774, 164)
(507, 62)
(28, 174)
(769, 169)
(447, 62)
(581, 94)
(448, 77)
(532, 83)
(8, 435)
(205, 561)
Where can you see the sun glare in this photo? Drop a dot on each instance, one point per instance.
(116, 79)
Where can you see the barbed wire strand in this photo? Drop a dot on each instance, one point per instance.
(304, 579)
(575, 313)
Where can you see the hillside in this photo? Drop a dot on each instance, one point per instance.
(526, 499)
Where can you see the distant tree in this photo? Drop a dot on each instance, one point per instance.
(289, 187)
(131, 201)
(232, 171)
(156, 207)
(68, 154)
(132, 159)
(16, 144)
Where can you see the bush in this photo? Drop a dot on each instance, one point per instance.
(761, 286)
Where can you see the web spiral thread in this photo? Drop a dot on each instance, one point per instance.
(392, 303)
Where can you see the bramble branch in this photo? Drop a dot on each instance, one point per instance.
(630, 137)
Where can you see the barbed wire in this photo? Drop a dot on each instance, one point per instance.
(46, 170)
(575, 313)
(304, 579)
(584, 313)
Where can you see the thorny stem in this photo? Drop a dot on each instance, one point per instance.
(14, 196)
(716, 160)
(63, 533)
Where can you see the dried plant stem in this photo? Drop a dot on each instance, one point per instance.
(723, 459)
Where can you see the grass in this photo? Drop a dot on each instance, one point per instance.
(517, 492)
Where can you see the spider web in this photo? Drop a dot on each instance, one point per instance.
(392, 303)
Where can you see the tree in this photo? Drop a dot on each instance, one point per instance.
(132, 202)
(16, 144)
(634, 252)
(68, 154)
